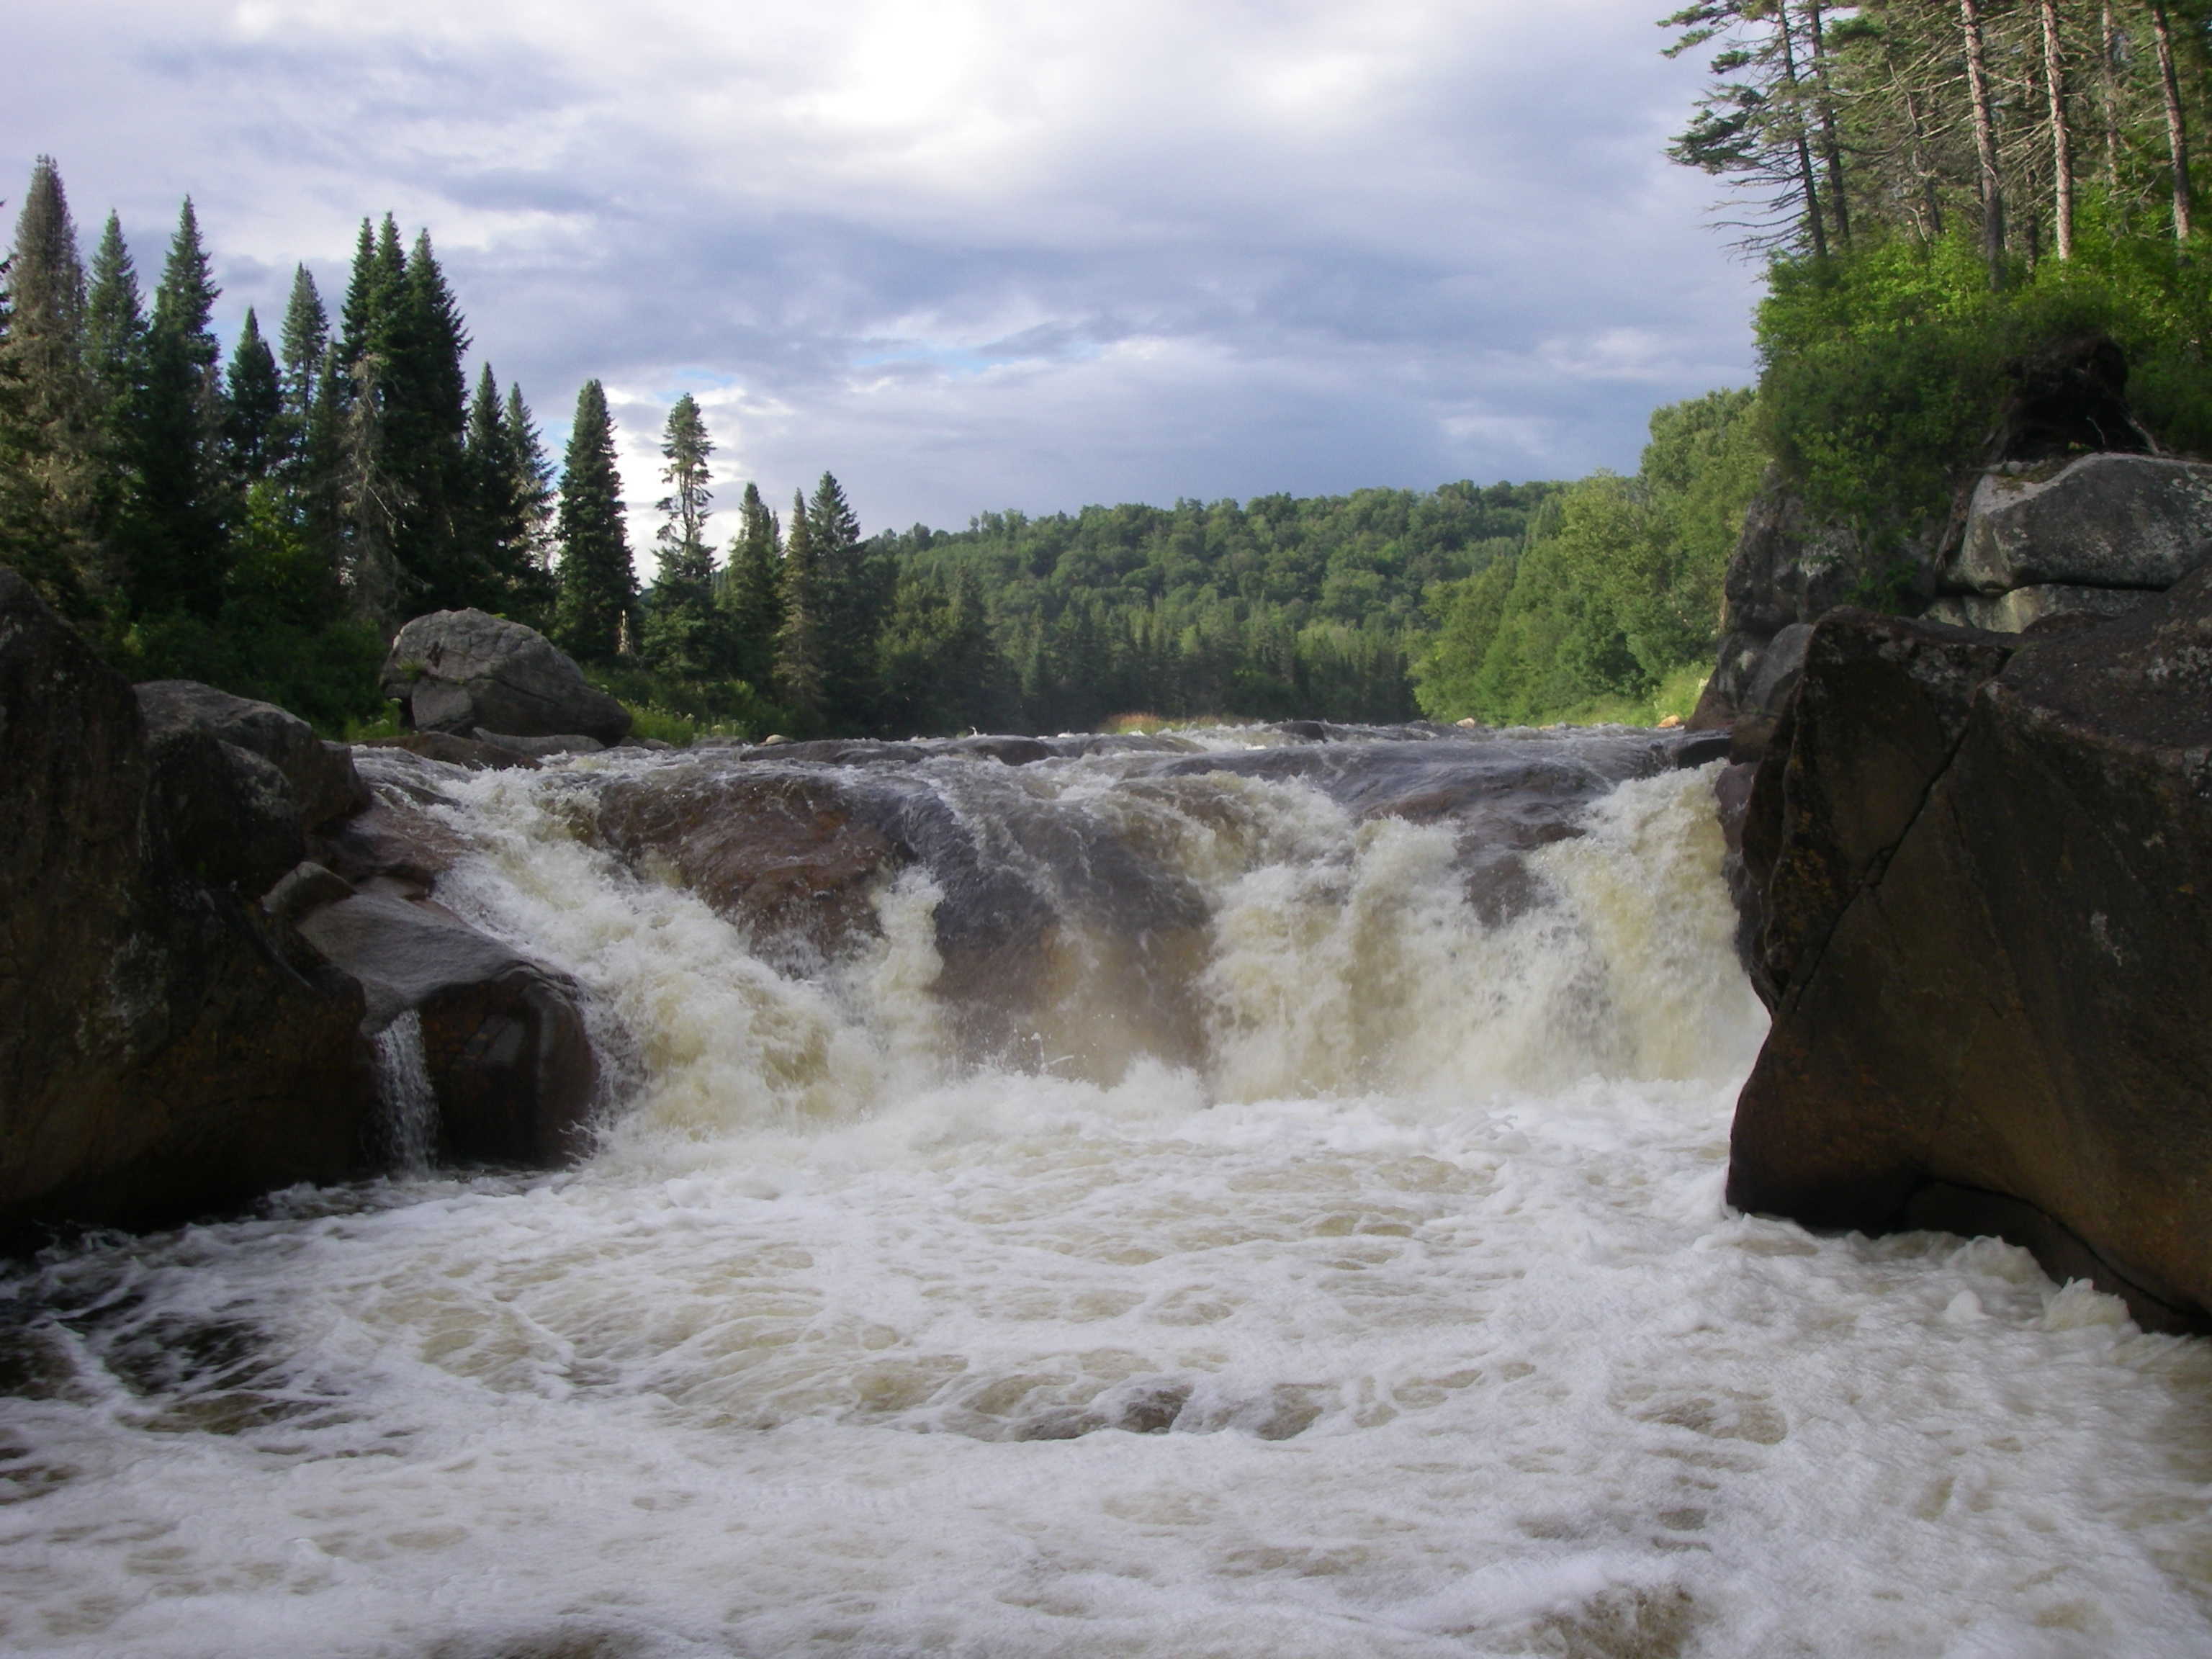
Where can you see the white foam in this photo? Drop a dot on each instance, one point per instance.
(1455, 1347)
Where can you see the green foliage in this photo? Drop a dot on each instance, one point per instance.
(1617, 592)
(1885, 372)
(277, 634)
(598, 587)
(673, 708)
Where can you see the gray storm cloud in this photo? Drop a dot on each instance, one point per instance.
(966, 255)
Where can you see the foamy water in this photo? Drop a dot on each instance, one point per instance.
(1409, 1323)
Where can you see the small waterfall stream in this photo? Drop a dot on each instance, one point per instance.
(403, 1086)
(1243, 1196)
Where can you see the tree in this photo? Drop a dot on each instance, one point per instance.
(305, 345)
(799, 676)
(53, 398)
(597, 583)
(851, 600)
(750, 592)
(254, 438)
(179, 552)
(682, 632)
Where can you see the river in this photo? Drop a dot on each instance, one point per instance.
(1289, 1232)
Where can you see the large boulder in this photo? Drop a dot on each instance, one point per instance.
(509, 1060)
(460, 670)
(1980, 865)
(321, 775)
(166, 1048)
(2099, 521)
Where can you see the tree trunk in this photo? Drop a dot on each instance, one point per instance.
(2062, 141)
(1986, 142)
(2108, 49)
(1831, 151)
(2177, 135)
(1807, 182)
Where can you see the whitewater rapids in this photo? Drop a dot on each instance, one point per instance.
(1402, 1317)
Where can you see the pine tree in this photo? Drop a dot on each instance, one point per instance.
(115, 327)
(750, 594)
(598, 584)
(425, 392)
(253, 434)
(798, 676)
(179, 552)
(683, 632)
(306, 340)
(52, 394)
(850, 602)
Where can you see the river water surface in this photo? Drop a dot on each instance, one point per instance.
(1358, 1283)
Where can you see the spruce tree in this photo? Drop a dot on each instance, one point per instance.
(426, 392)
(850, 607)
(254, 435)
(179, 556)
(116, 366)
(531, 495)
(598, 585)
(46, 348)
(115, 327)
(750, 593)
(306, 340)
(798, 676)
(683, 630)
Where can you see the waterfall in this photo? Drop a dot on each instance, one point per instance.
(409, 1105)
(1241, 1196)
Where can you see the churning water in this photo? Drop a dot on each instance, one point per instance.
(1315, 1254)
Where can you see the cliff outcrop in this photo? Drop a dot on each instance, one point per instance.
(1976, 867)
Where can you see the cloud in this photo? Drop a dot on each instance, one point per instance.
(976, 254)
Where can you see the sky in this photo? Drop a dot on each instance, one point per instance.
(970, 254)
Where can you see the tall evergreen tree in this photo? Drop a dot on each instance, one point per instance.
(180, 553)
(43, 350)
(799, 680)
(253, 432)
(426, 394)
(598, 584)
(306, 340)
(683, 631)
(750, 592)
(114, 324)
(851, 604)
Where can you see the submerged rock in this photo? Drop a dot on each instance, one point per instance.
(457, 671)
(1980, 865)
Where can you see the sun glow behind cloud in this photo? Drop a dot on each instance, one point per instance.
(970, 254)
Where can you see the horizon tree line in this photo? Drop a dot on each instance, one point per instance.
(265, 519)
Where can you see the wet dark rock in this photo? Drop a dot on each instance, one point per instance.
(1009, 751)
(163, 1053)
(782, 852)
(567, 743)
(1981, 864)
(509, 1058)
(321, 774)
(477, 756)
(457, 671)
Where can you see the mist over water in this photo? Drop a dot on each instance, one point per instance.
(1188, 1213)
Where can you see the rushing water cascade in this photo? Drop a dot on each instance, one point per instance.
(1218, 1200)
(403, 1087)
